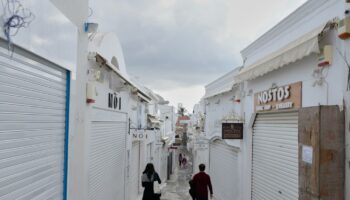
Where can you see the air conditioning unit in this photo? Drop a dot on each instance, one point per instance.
(325, 58)
(344, 28)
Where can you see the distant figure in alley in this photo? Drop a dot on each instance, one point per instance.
(148, 178)
(180, 159)
(184, 162)
(200, 183)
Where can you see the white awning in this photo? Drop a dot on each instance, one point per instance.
(225, 87)
(223, 84)
(296, 50)
(153, 119)
(140, 93)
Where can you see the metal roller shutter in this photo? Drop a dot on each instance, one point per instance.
(32, 127)
(135, 171)
(107, 158)
(275, 157)
(164, 164)
(224, 171)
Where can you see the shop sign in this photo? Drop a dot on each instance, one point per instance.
(232, 130)
(279, 98)
(114, 102)
(139, 135)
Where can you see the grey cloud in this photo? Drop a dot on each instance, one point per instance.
(175, 42)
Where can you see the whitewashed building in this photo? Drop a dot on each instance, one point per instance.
(151, 129)
(35, 103)
(222, 105)
(293, 93)
(167, 155)
(295, 90)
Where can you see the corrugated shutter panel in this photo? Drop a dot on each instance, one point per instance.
(106, 160)
(164, 163)
(275, 157)
(135, 174)
(224, 171)
(32, 128)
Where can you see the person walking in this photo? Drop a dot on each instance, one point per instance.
(201, 183)
(180, 159)
(148, 178)
(184, 162)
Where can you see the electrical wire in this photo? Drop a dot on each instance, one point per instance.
(15, 17)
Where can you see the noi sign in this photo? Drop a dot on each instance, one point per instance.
(139, 135)
(279, 98)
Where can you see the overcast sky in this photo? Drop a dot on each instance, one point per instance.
(176, 47)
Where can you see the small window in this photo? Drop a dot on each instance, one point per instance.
(114, 61)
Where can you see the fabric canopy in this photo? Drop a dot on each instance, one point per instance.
(140, 93)
(296, 50)
(223, 84)
(153, 119)
(225, 87)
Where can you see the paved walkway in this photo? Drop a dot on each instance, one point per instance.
(177, 187)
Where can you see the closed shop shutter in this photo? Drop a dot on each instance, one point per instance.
(149, 153)
(164, 163)
(275, 157)
(32, 127)
(135, 171)
(107, 158)
(224, 171)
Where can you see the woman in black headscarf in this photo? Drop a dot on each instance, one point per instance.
(148, 178)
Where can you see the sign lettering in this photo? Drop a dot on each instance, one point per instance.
(279, 98)
(114, 102)
(139, 135)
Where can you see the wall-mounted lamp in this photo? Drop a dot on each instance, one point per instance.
(90, 27)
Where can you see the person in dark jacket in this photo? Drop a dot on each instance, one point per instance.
(148, 178)
(201, 182)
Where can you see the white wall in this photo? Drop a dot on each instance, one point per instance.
(217, 108)
(77, 179)
(169, 124)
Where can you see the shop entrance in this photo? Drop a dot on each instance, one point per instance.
(275, 156)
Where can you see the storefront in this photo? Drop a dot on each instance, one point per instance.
(107, 127)
(34, 110)
(108, 132)
(294, 120)
(275, 143)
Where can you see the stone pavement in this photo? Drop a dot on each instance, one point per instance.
(177, 187)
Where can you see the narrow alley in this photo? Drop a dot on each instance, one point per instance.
(98, 99)
(177, 188)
